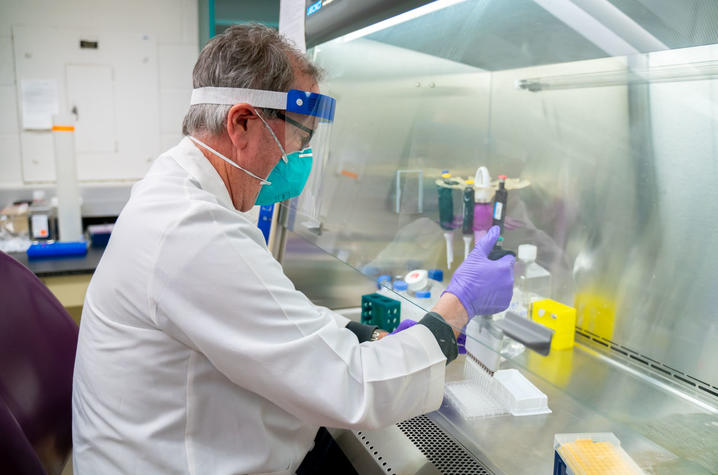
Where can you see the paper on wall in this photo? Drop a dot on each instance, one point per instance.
(39, 103)
(291, 22)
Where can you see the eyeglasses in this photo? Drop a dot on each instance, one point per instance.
(310, 132)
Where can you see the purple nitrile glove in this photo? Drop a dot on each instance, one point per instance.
(461, 342)
(483, 286)
(403, 326)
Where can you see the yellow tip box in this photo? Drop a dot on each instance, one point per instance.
(558, 317)
(592, 454)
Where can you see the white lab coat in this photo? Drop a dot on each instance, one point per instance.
(197, 355)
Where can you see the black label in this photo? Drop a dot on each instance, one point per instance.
(88, 44)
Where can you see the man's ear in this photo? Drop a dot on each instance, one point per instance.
(238, 119)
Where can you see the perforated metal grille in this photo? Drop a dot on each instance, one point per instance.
(444, 452)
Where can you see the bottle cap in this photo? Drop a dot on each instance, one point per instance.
(446, 175)
(502, 177)
(527, 252)
(436, 274)
(469, 181)
(383, 281)
(400, 285)
(417, 280)
(423, 294)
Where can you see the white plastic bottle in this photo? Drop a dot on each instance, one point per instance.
(417, 280)
(534, 282)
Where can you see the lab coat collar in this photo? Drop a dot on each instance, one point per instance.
(196, 164)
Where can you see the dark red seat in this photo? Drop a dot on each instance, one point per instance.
(38, 339)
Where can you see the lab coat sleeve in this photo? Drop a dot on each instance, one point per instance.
(219, 290)
(340, 320)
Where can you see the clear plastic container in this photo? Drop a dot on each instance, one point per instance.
(533, 282)
(42, 218)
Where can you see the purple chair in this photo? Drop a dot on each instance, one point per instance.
(38, 340)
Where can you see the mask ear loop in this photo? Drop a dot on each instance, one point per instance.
(279, 144)
(262, 181)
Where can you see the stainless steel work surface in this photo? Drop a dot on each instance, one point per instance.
(594, 396)
(664, 432)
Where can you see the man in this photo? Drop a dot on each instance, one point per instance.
(196, 353)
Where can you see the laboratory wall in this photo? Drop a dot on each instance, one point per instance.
(131, 91)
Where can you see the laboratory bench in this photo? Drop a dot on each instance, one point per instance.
(62, 266)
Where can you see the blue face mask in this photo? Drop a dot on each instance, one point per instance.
(287, 179)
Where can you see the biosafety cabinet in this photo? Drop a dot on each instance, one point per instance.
(602, 116)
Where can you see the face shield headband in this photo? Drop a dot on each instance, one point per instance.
(305, 103)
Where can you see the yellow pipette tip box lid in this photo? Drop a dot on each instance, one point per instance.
(558, 317)
(592, 454)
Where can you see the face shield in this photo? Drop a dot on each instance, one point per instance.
(307, 118)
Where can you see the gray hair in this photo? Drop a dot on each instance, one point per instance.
(247, 56)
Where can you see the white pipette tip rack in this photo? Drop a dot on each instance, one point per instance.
(506, 392)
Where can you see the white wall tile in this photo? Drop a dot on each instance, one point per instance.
(176, 62)
(190, 22)
(8, 110)
(10, 169)
(38, 156)
(7, 65)
(173, 107)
